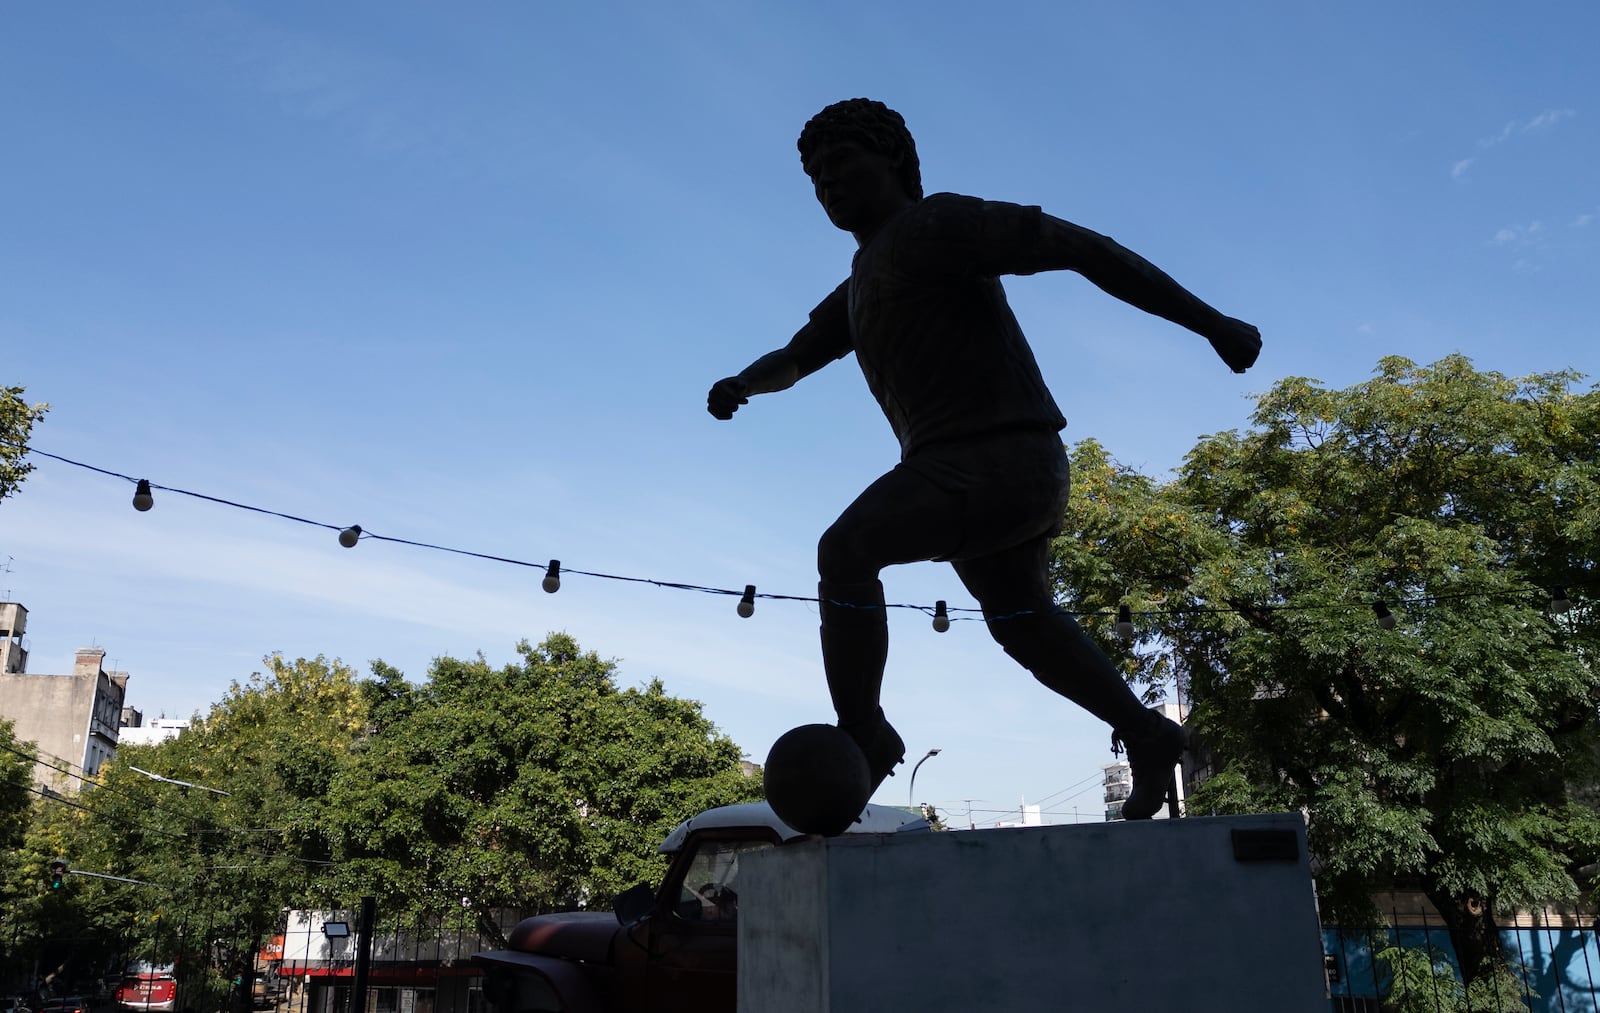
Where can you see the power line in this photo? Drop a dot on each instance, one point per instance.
(1080, 786)
(54, 796)
(67, 770)
(194, 830)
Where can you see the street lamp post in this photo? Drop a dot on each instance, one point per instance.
(911, 789)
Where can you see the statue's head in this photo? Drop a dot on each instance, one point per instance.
(873, 126)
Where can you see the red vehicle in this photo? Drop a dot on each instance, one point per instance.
(146, 988)
(668, 949)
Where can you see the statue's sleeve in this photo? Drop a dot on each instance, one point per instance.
(956, 235)
(826, 335)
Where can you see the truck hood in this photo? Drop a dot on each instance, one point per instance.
(575, 935)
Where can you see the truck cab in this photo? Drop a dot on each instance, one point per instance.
(667, 948)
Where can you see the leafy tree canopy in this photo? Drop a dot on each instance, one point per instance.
(16, 422)
(1454, 752)
(16, 777)
(539, 785)
(535, 786)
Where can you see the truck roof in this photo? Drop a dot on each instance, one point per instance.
(874, 819)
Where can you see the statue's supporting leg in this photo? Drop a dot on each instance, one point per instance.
(900, 518)
(1060, 655)
(855, 647)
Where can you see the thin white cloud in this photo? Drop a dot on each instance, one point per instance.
(1548, 118)
(1521, 236)
(1585, 220)
(1542, 122)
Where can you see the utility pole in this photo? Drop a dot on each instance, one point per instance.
(369, 915)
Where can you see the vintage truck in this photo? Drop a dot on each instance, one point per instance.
(667, 949)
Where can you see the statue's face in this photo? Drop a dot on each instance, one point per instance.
(856, 186)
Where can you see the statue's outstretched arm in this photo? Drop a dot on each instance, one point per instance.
(775, 371)
(1119, 271)
(824, 338)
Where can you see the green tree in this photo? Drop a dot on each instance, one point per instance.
(56, 933)
(538, 786)
(16, 779)
(16, 422)
(221, 856)
(1422, 980)
(19, 885)
(64, 935)
(1452, 753)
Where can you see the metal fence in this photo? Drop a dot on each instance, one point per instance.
(1553, 957)
(416, 967)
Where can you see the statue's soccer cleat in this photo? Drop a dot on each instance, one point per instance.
(881, 744)
(1151, 757)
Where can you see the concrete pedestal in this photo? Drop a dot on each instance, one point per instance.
(1192, 915)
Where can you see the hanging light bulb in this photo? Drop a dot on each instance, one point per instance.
(142, 500)
(552, 577)
(941, 618)
(1385, 617)
(1559, 602)
(1125, 622)
(350, 536)
(747, 604)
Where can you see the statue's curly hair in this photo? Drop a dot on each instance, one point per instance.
(872, 125)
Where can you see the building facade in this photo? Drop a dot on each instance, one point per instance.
(72, 719)
(138, 730)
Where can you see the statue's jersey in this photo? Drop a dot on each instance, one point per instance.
(924, 312)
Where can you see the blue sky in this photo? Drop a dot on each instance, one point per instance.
(463, 274)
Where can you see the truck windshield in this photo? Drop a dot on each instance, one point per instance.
(710, 887)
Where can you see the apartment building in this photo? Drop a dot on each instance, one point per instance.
(72, 719)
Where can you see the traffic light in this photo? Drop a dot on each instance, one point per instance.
(58, 871)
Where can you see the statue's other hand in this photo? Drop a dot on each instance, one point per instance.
(1237, 342)
(726, 396)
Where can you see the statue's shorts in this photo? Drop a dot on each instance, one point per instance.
(990, 505)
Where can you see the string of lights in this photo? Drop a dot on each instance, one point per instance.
(1557, 593)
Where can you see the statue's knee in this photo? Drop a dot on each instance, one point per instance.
(1012, 632)
(1027, 637)
(840, 559)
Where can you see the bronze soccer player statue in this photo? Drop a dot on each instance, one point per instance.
(982, 479)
